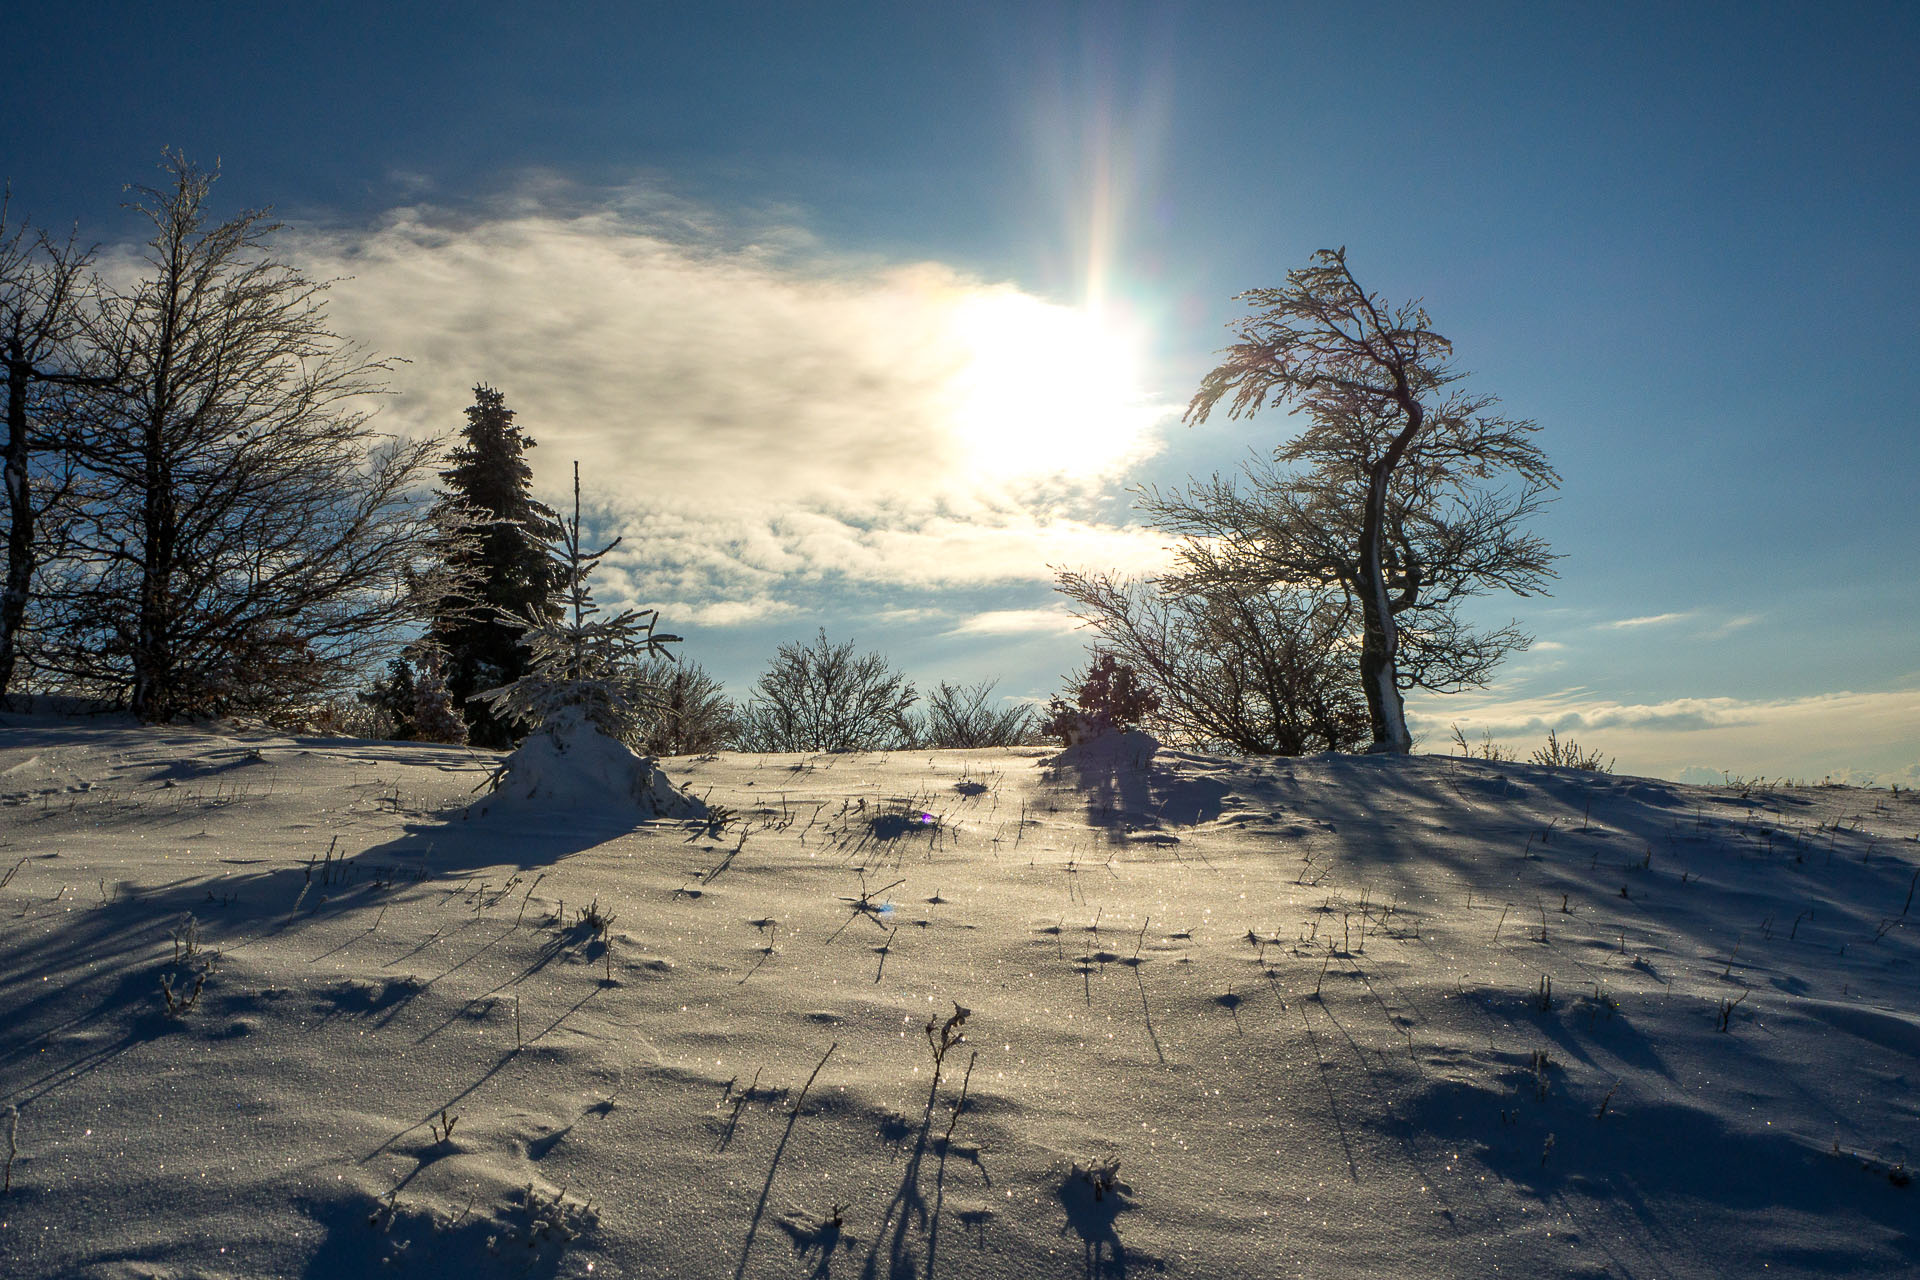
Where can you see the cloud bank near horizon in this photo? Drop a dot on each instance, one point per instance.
(1851, 736)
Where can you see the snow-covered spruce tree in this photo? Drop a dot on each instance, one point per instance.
(497, 570)
(574, 702)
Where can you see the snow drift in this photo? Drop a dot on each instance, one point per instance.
(571, 766)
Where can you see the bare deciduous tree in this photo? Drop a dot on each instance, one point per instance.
(1391, 507)
(1259, 672)
(821, 696)
(247, 538)
(42, 350)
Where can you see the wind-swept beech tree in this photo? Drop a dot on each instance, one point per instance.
(43, 355)
(1392, 501)
(246, 539)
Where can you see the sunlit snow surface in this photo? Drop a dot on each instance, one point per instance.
(1299, 1002)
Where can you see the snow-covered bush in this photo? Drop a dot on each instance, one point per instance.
(680, 709)
(435, 718)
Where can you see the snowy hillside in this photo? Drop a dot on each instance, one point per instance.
(275, 1007)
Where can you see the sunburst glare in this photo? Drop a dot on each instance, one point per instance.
(1047, 390)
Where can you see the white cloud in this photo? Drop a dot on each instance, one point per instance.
(1014, 622)
(747, 409)
(1731, 625)
(1650, 620)
(721, 613)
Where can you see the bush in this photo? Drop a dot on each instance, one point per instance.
(435, 718)
(390, 703)
(959, 718)
(1559, 753)
(821, 697)
(1109, 698)
(1568, 755)
(682, 710)
(1262, 672)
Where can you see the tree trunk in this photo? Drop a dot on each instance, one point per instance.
(1380, 637)
(13, 598)
(153, 693)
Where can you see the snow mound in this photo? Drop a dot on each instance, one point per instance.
(572, 765)
(1127, 749)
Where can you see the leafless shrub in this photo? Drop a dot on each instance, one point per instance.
(1486, 749)
(1264, 672)
(1568, 755)
(959, 717)
(682, 710)
(820, 696)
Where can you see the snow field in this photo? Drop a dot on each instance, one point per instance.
(1319, 1017)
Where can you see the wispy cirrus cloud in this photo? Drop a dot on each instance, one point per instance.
(1650, 620)
(1015, 622)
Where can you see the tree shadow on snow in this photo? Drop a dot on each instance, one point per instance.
(1660, 1159)
(1129, 786)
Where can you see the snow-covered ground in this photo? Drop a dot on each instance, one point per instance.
(1339, 1016)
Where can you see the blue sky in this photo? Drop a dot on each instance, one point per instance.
(745, 261)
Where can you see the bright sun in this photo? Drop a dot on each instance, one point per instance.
(1046, 390)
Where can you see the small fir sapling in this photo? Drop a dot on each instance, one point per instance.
(575, 662)
(575, 699)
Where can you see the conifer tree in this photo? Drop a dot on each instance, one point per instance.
(394, 697)
(504, 573)
(434, 717)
